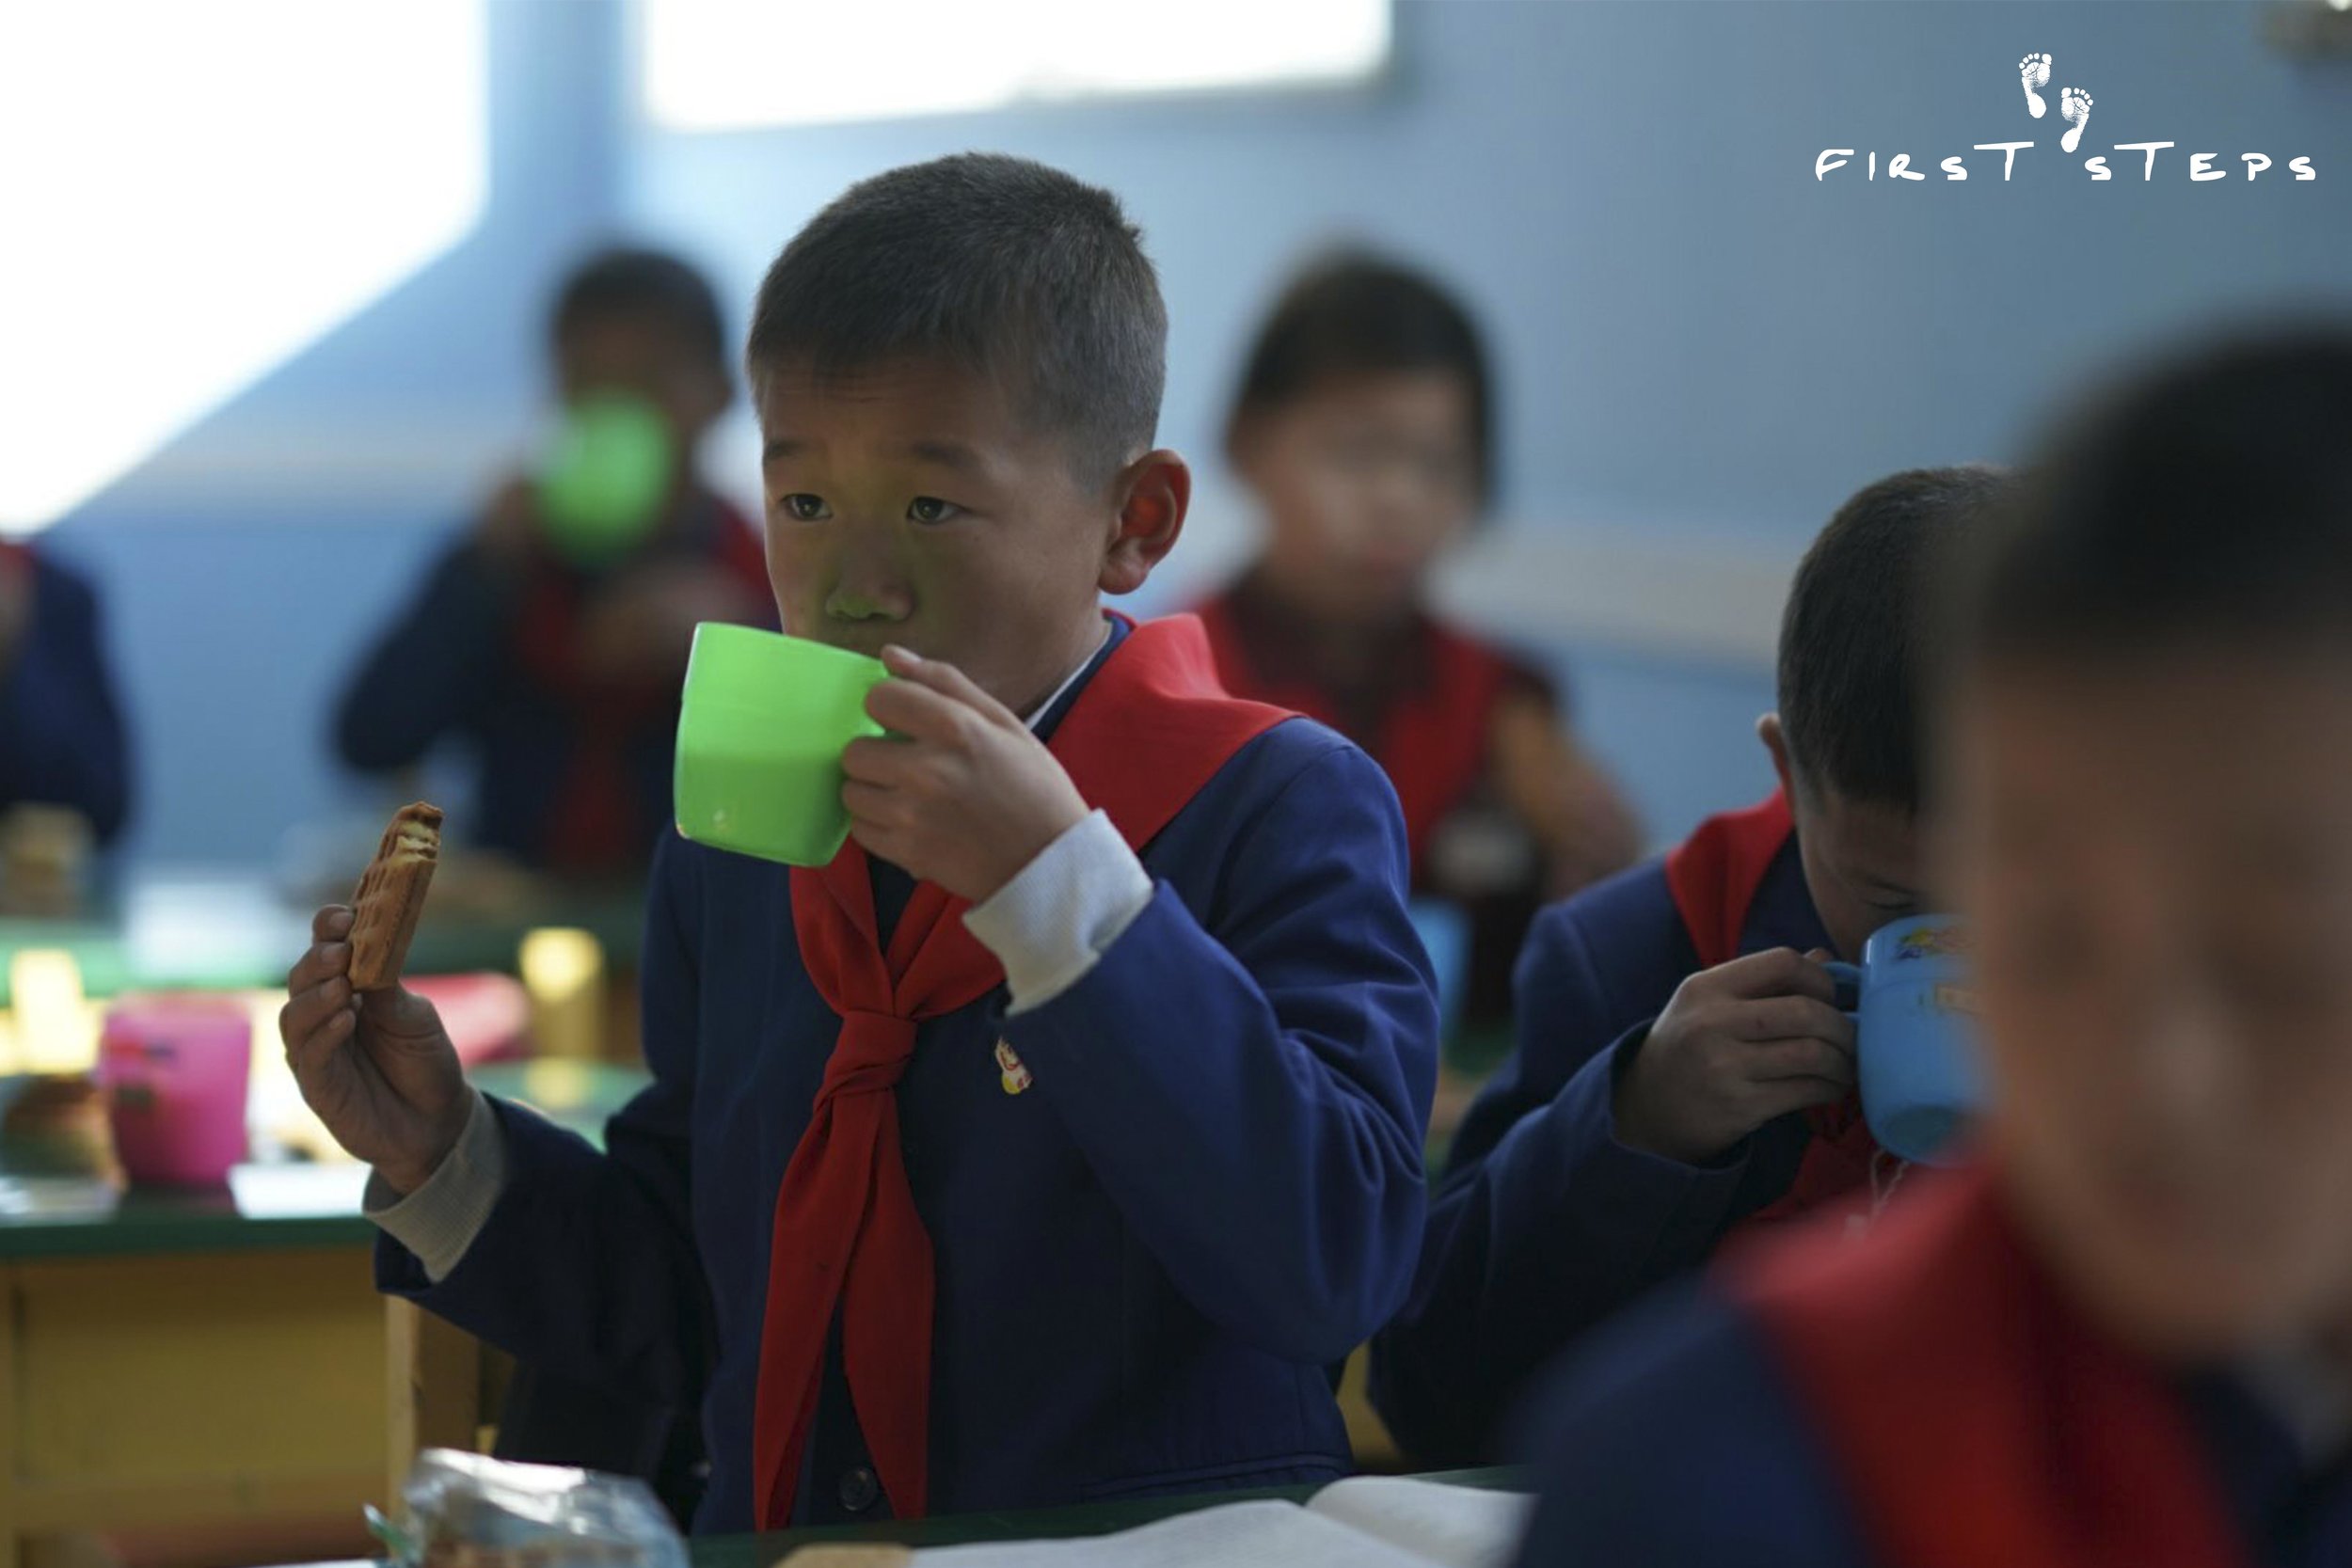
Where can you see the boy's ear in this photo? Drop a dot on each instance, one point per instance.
(1775, 740)
(1154, 491)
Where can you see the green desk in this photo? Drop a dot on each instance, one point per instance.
(178, 1360)
(234, 933)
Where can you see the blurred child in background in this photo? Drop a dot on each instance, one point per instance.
(1364, 426)
(2127, 1339)
(552, 636)
(61, 742)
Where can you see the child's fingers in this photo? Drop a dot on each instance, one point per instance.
(887, 764)
(1777, 971)
(324, 961)
(945, 679)
(1782, 1018)
(871, 803)
(319, 1044)
(879, 840)
(1780, 1060)
(309, 1025)
(915, 710)
(312, 1005)
(331, 923)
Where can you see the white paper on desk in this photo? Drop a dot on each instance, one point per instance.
(1370, 1522)
(1269, 1534)
(1455, 1527)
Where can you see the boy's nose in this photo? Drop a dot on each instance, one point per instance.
(871, 599)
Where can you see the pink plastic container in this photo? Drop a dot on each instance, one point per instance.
(175, 1070)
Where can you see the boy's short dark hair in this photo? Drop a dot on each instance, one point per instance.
(633, 281)
(2211, 500)
(1853, 638)
(1356, 313)
(1002, 265)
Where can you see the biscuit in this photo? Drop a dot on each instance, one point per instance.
(391, 897)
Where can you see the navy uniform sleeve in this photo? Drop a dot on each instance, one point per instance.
(1671, 1440)
(61, 740)
(1545, 1224)
(1254, 1096)
(426, 672)
(586, 1266)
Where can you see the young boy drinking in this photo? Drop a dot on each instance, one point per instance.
(1052, 1142)
(1364, 427)
(2127, 1339)
(551, 647)
(1681, 1069)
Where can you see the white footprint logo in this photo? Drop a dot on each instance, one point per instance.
(2034, 71)
(2073, 108)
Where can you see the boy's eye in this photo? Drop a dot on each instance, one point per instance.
(803, 507)
(930, 509)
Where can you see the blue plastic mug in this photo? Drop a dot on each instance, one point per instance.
(1922, 1083)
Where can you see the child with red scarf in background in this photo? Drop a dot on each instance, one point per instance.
(1364, 426)
(1681, 1068)
(553, 637)
(61, 742)
(2125, 1341)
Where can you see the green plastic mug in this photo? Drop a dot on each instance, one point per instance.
(602, 487)
(759, 742)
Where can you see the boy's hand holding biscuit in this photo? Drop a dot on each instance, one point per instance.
(1739, 1044)
(961, 792)
(374, 1060)
(377, 1067)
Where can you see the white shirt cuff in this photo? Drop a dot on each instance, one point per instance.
(440, 1220)
(1062, 911)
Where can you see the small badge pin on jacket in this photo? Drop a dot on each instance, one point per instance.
(1011, 1073)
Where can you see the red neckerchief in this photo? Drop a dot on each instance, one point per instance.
(1972, 1414)
(1431, 738)
(1713, 875)
(1142, 737)
(593, 823)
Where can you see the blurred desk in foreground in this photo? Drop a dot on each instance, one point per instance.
(183, 1358)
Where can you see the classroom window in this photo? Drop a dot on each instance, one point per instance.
(715, 64)
(190, 194)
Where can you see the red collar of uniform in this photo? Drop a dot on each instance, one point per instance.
(1715, 873)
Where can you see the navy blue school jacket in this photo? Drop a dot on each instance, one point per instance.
(1671, 1439)
(1543, 1222)
(61, 740)
(1148, 1260)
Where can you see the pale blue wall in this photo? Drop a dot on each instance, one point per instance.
(1694, 335)
(236, 608)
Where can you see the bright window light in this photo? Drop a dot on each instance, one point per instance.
(715, 64)
(190, 194)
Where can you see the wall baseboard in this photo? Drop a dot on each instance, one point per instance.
(1711, 600)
